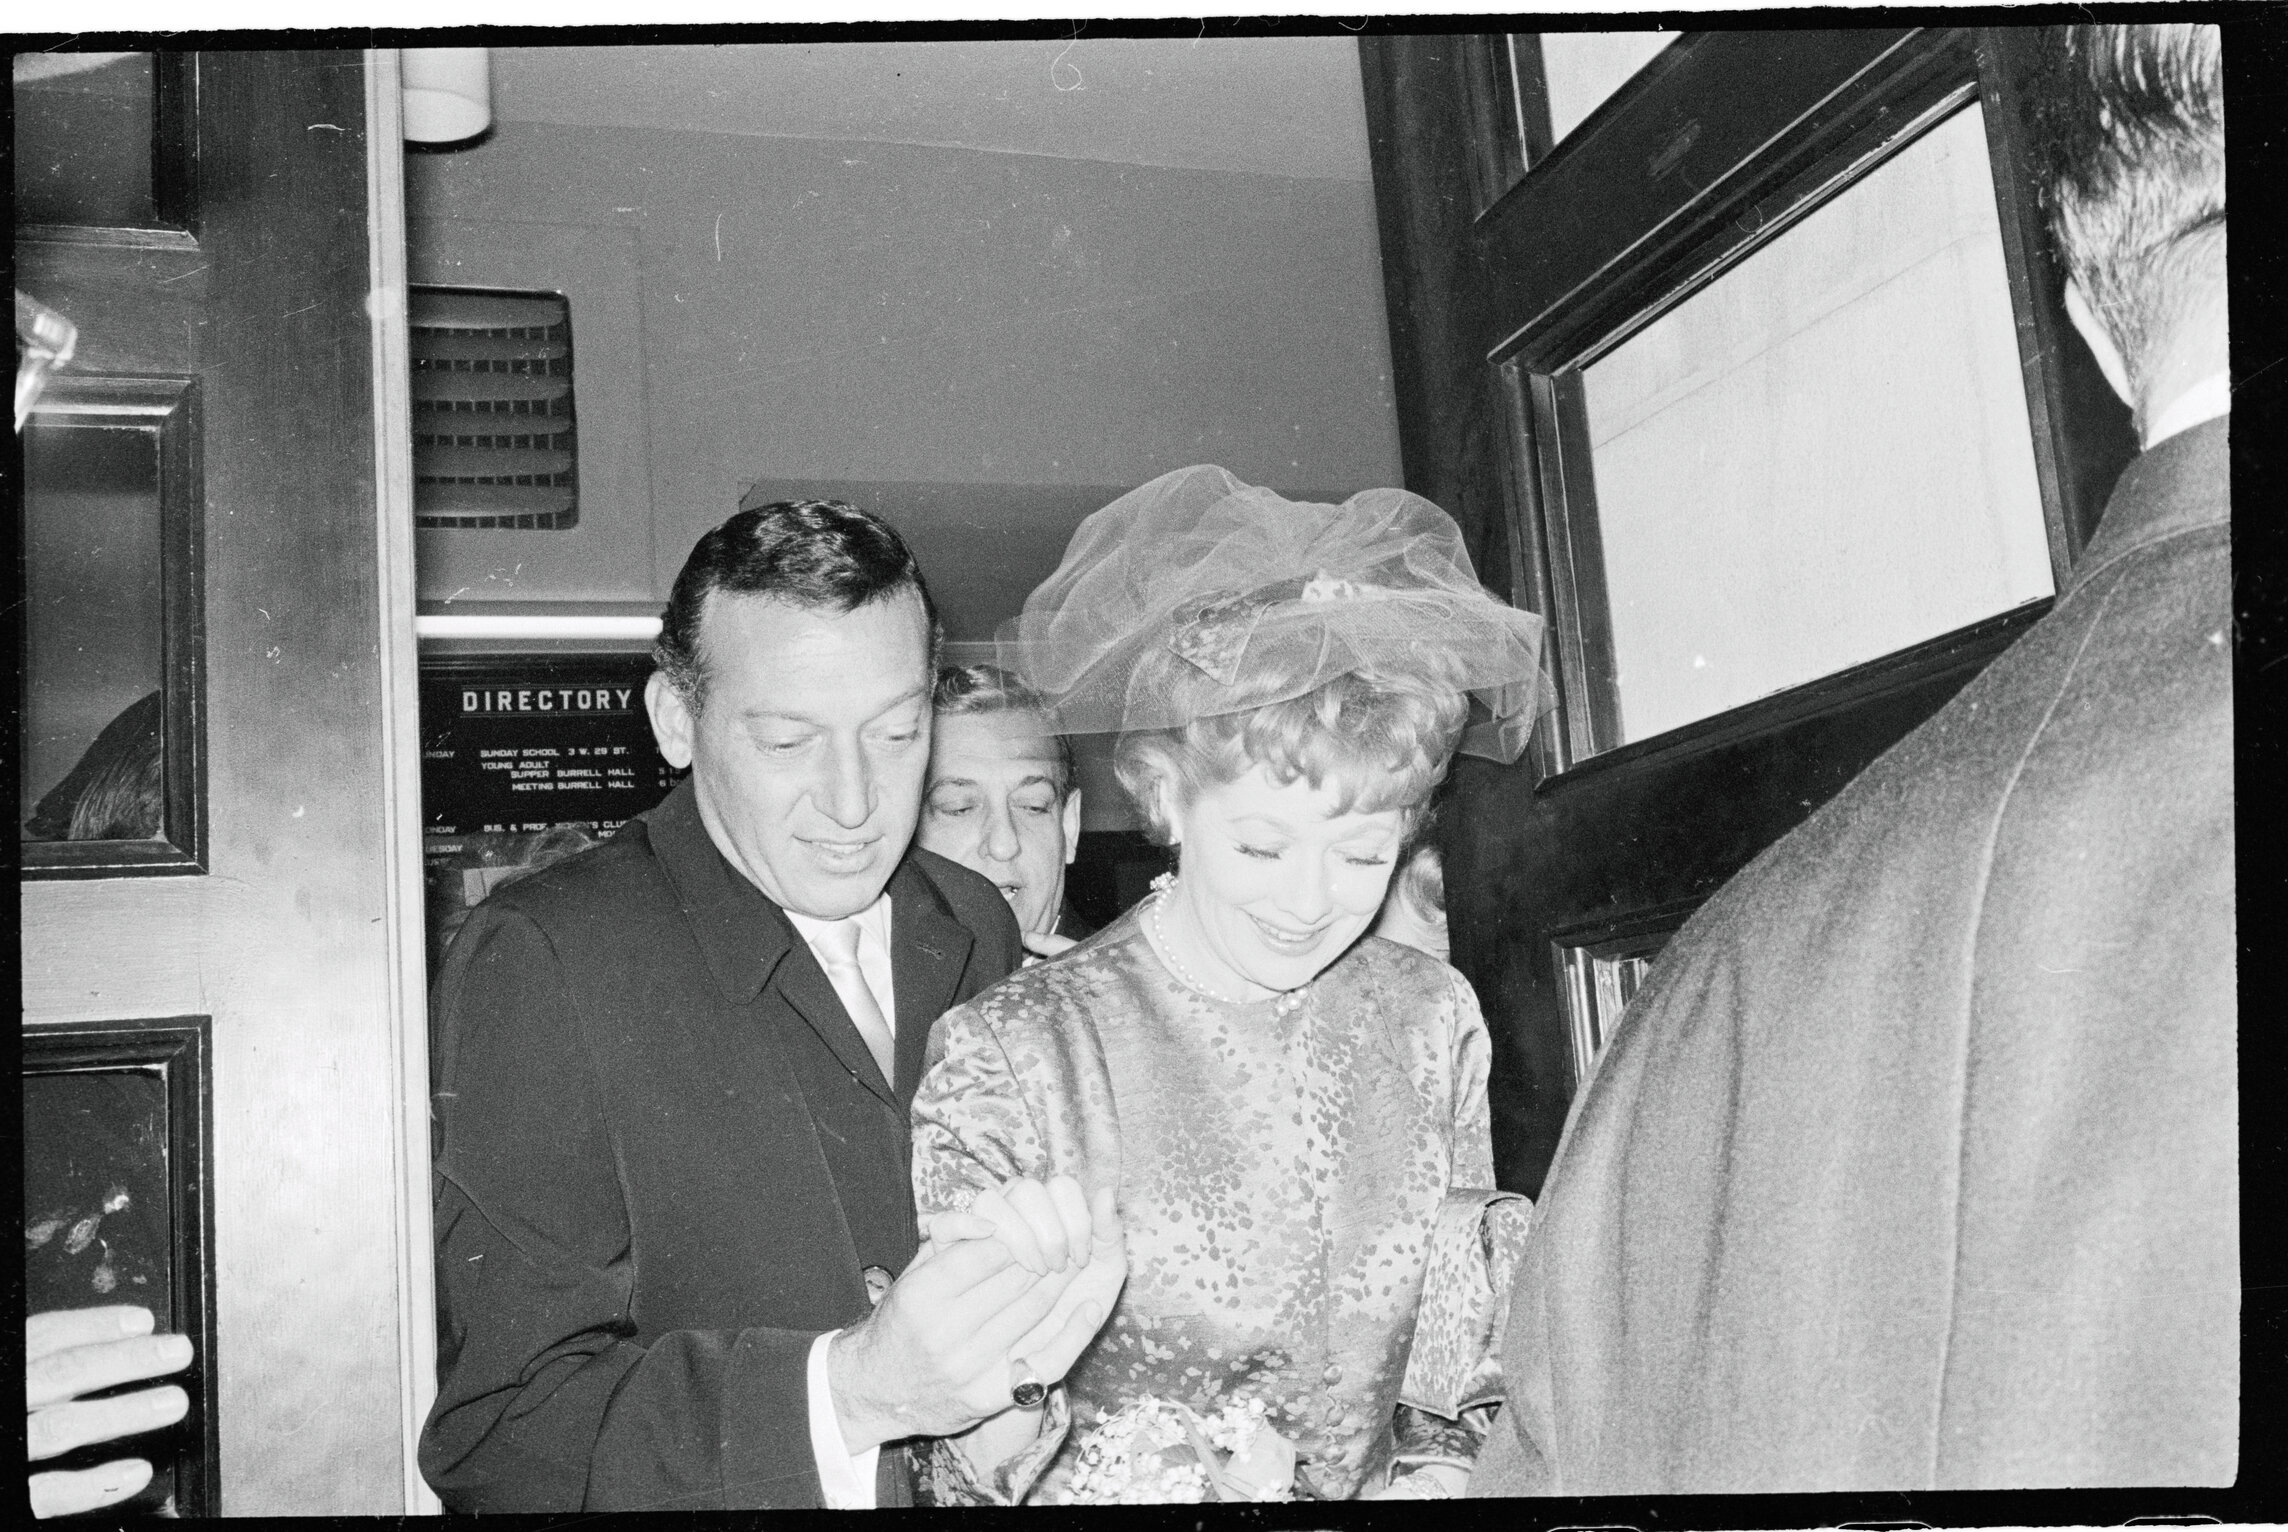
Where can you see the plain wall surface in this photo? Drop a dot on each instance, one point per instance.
(844, 311)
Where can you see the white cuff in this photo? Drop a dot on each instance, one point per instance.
(845, 1478)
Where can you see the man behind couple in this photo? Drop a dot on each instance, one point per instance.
(675, 1073)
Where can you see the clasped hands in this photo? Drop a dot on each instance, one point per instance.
(1029, 1272)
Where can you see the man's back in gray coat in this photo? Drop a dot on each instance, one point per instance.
(1914, 1164)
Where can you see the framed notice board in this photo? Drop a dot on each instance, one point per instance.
(525, 760)
(117, 1209)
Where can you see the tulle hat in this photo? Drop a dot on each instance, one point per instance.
(1197, 594)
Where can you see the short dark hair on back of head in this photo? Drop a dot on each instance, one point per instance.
(812, 553)
(2126, 135)
(971, 689)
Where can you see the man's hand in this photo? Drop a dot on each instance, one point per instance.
(1030, 1271)
(1058, 1340)
(71, 1352)
(933, 1357)
(1050, 1228)
(1046, 944)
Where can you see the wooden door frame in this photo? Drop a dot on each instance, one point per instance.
(400, 675)
(125, 949)
(1568, 850)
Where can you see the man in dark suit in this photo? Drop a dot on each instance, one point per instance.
(1003, 799)
(673, 1079)
(1914, 1163)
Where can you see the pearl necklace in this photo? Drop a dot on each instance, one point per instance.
(1162, 887)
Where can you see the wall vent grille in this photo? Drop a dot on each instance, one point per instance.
(494, 444)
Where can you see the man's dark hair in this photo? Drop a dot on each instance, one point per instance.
(2126, 136)
(812, 553)
(964, 689)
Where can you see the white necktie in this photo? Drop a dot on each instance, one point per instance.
(837, 950)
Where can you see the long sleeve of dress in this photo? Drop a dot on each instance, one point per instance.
(1453, 1382)
(972, 1127)
(972, 1131)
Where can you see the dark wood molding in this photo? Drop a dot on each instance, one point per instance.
(175, 141)
(171, 407)
(1499, 155)
(1685, 181)
(1589, 702)
(1956, 655)
(1528, 79)
(108, 238)
(1718, 147)
(2083, 434)
(181, 1047)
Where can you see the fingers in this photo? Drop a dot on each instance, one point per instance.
(61, 1427)
(68, 1494)
(997, 1334)
(1033, 1202)
(83, 1369)
(948, 1271)
(1013, 1227)
(1038, 1345)
(1053, 1357)
(1045, 943)
(941, 1229)
(1046, 1225)
(1072, 1210)
(58, 1329)
(1057, 1340)
(1105, 1231)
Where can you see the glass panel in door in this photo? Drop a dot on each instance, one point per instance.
(1822, 456)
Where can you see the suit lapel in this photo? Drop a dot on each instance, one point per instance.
(929, 952)
(736, 1056)
(812, 996)
(747, 939)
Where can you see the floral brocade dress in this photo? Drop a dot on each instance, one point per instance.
(1281, 1166)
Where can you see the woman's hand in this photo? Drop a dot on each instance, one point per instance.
(1046, 1225)
(70, 1352)
(1051, 1229)
(1057, 1342)
(1080, 1311)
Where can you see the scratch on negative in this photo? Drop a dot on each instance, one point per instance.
(718, 239)
(178, 276)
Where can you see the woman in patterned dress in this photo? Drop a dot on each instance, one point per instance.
(1293, 1113)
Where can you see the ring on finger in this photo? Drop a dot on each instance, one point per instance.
(1026, 1390)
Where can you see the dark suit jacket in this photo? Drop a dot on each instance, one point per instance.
(664, 1157)
(1914, 1164)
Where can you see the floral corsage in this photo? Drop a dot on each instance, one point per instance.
(1154, 1451)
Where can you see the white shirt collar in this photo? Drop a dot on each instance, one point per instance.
(2205, 400)
(874, 920)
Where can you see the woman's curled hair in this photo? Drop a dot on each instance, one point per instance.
(1380, 741)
